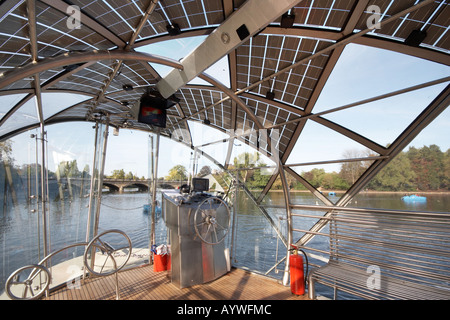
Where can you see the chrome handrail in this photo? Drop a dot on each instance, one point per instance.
(40, 267)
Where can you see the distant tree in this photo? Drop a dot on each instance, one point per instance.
(129, 176)
(68, 169)
(333, 181)
(6, 151)
(177, 173)
(259, 180)
(315, 177)
(428, 164)
(204, 171)
(86, 171)
(396, 176)
(247, 160)
(446, 180)
(351, 171)
(118, 174)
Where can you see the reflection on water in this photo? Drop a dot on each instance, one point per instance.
(257, 246)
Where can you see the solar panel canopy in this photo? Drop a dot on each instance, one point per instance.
(99, 54)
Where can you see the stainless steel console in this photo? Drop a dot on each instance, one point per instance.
(198, 255)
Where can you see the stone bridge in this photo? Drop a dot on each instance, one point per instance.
(118, 185)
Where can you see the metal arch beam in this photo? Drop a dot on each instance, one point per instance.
(44, 86)
(118, 63)
(344, 131)
(391, 45)
(31, 15)
(323, 34)
(88, 22)
(434, 109)
(252, 17)
(343, 41)
(333, 59)
(29, 69)
(338, 45)
(329, 124)
(33, 68)
(228, 8)
(357, 11)
(352, 135)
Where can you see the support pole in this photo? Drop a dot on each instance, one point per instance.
(287, 199)
(89, 233)
(151, 172)
(95, 195)
(100, 175)
(155, 182)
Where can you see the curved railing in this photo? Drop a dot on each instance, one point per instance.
(30, 290)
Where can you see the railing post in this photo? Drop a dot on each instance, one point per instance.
(95, 194)
(287, 199)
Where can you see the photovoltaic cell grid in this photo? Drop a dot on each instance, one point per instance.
(265, 54)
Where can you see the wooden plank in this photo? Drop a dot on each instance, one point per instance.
(143, 284)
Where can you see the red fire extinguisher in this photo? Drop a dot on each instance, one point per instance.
(296, 270)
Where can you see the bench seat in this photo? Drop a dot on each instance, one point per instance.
(389, 255)
(354, 281)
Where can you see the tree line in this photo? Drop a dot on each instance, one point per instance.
(417, 169)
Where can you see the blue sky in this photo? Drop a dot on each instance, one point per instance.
(367, 72)
(361, 73)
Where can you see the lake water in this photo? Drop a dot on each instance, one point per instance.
(256, 245)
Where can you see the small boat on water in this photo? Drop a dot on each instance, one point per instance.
(148, 209)
(414, 198)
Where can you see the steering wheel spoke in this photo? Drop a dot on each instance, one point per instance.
(101, 254)
(23, 290)
(212, 222)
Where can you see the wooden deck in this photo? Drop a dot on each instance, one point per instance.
(143, 284)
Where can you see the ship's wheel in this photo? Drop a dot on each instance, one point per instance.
(36, 281)
(212, 220)
(108, 248)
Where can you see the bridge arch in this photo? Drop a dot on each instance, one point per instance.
(112, 187)
(118, 185)
(142, 186)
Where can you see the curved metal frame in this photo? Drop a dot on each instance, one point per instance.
(104, 247)
(30, 69)
(28, 282)
(340, 40)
